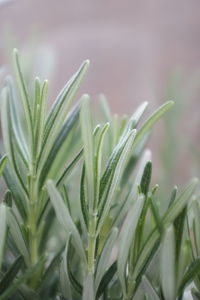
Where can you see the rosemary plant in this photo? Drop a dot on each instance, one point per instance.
(80, 218)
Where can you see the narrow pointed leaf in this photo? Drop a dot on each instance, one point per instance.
(189, 276)
(40, 114)
(60, 109)
(87, 137)
(107, 278)
(69, 168)
(112, 176)
(152, 120)
(7, 130)
(18, 134)
(24, 95)
(18, 282)
(169, 217)
(3, 162)
(127, 235)
(105, 108)
(196, 211)
(146, 178)
(65, 218)
(3, 220)
(173, 195)
(178, 205)
(149, 289)
(17, 235)
(179, 230)
(139, 112)
(168, 264)
(105, 256)
(56, 150)
(134, 119)
(64, 275)
(145, 158)
(16, 190)
(11, 274)
(98, 160)
(84, 207)
(49, 271)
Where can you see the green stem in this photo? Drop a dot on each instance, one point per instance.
(92, 242)
(33, 198)
(33, 237)
(130, 288)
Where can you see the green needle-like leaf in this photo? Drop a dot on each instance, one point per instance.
(152, 120)
(113, 173)
(58, 154)
(20, 280)
(65, 218)
(192, 271)
(17, 235)
(105, 256)
(87, 137)
(149, 289)
(127, 236)
(107, 278)
(6, 122)
(178, 205)
(64, 272)
(168, 264)
(3, 162)
(3, 220)
(10, 275)
(146, 178)
(169, 217)
(24, 97)
(60, 110)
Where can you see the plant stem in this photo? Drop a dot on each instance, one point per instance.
(130, 288)
(92, 242)
(33, 237)
(33, 198)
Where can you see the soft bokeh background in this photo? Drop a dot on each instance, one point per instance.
(139, 50)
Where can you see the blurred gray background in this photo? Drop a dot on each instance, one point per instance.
(139, 51)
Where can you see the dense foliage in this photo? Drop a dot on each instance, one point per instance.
(80, 218)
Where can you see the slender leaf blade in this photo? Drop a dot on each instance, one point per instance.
(150, 291)
(152, 120)
(10, 275)
(127, 235)
(88, 149)
(64, 217)
(105, 256)
(3, 226)
(168, 264)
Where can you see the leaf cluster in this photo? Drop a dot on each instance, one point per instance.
(80, 218)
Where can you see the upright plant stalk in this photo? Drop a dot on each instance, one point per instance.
(26, 174)
(92, 242)
(87, 137)
(38, 115)
(33, 212)
(34, 114)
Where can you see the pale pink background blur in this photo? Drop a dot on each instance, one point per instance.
(133, 46)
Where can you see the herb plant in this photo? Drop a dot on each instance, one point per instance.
(80, 218)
